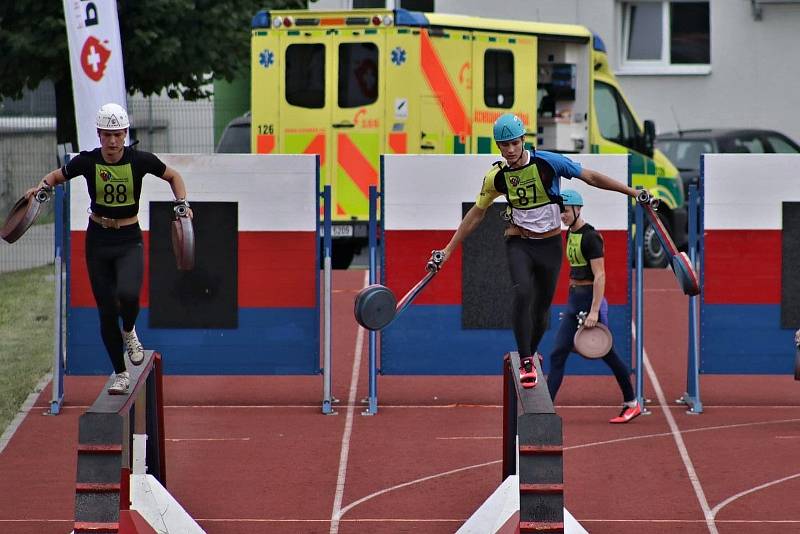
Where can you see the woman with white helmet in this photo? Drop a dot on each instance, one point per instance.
(114, 249)
(587, 283)
(530, 181)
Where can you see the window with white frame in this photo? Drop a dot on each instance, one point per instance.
(665, 37)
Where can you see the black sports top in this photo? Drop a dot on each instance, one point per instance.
(114, 188)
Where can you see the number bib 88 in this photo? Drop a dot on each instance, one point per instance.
(114, 186)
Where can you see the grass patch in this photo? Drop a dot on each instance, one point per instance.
(27, 306)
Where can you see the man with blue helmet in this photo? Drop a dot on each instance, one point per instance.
(530, 181)
(587, 284)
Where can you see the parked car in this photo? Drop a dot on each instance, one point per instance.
(684, 147)
(235, 137)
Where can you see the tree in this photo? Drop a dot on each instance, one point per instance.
(177, 45)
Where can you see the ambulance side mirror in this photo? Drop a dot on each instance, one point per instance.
(649, 138)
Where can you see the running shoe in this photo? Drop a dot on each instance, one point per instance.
(527, 373)
(133, 347)
(120, 384)
(627, 414)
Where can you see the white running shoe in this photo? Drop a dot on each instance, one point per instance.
(120, 384)
(133, 347)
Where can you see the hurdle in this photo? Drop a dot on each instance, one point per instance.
(116, 436)
(531, 496)
(747, 324)
(465, 308)
(254, 295)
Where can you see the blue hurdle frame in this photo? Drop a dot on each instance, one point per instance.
(61, 290)
(691, 397)
(374, 227)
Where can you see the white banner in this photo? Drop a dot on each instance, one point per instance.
(95, 57)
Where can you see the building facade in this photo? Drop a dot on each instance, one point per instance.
(747, 77)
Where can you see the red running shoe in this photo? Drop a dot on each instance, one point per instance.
(527, 373)
(627, 414)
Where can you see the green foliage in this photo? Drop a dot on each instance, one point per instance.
(33, 41)
(177, 45)
(26, 335)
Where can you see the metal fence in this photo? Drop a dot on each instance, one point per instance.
(28, 151)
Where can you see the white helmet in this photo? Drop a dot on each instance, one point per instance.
(112, 117)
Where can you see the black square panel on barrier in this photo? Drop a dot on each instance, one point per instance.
(485, 282)
(790, 266)
(207, 296)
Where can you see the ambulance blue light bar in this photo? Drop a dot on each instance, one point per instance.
(599, 45)
(404, 17)
(261, 19)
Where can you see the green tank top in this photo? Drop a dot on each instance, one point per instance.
(574, 254)
(583, 246)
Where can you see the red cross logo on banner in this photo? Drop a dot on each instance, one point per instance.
(94, 57)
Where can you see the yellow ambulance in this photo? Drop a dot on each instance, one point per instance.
(353, 85)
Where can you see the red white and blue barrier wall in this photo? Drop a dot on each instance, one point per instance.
(422, 207)
(277, 281)
(740, 317)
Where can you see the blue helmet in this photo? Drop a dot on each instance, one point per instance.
(571, 197)
(507, 127)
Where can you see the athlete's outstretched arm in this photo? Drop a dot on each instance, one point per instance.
(468, 224)
(602, 181)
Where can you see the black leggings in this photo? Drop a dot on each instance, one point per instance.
(534, 265)
(580, 299)
(115, 260)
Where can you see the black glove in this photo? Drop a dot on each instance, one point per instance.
(435, 263)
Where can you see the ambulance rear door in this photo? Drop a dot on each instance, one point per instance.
(445, 95)
(305, 94)
(357, 120)
(503, 81)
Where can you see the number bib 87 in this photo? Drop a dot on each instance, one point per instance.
(114, 185)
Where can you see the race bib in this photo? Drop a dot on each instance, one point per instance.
(114, 185)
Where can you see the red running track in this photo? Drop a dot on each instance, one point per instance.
(254, 454)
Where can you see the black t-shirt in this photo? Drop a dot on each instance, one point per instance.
(114, 188)
(583, 245)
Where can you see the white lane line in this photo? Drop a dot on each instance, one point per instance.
(315, 407)
(412, 482)
(433, 520)
(732, 498)
(336, 513)
(581, 446)
(656, 435)
(676, 435)
(26, 407)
